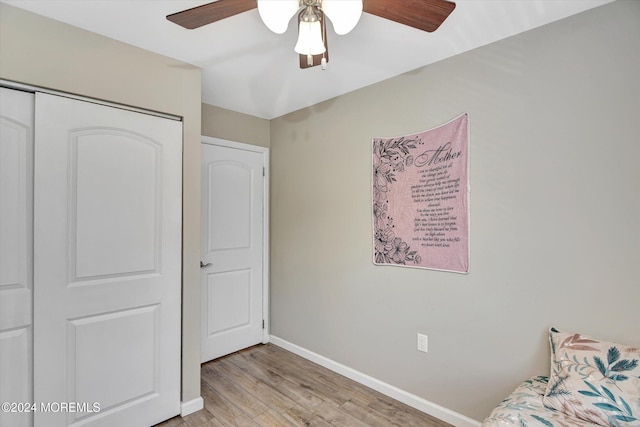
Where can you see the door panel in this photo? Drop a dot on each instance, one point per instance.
(230, 219)
(114, 239)
(16, 230)
(229, 295)
(108, 261)
(137, 331)
(232, 249)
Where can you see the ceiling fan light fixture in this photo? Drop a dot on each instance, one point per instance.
(276, 14)
(310, 38)
(343, 14)
(426, 15)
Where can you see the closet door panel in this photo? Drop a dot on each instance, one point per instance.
(16, 168)
(107, 271)
(114, 222)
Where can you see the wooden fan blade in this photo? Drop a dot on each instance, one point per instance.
(426, 15)
(211, 12)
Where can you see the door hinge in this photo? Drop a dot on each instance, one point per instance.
(262, 323)
(264, 173)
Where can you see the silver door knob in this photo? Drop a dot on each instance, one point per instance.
(202, 265)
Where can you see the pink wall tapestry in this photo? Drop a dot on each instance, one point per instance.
(421, 198)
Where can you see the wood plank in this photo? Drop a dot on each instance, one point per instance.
(267, 386)
(334, 416)
(354, 390)
(295, 371)
(198, 418)
(297, 392)
(302, 416)
(241, 398)
(404, 414)
(219, 406)
(368, 415)
(264, 392)
(273, 418)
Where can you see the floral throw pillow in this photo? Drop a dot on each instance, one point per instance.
(594, 380)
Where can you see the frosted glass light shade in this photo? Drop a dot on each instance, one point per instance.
(310, 39)
(344, 14)
(276, 14)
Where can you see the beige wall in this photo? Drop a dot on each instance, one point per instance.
(42, 52)
(233, 126)
(555, 214)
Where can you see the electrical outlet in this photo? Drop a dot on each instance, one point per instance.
(423, 343)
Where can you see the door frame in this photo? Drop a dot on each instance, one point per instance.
(265, 220)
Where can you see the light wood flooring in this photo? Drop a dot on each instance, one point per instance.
(267, 386)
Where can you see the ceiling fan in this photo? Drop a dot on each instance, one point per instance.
(426, 15)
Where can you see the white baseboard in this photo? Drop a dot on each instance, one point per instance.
(194, 405)
(412, 400)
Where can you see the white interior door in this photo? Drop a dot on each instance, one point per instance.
(107, 264)
(16, 228)
(232, 250)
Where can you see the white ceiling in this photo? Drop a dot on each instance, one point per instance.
(247, 68)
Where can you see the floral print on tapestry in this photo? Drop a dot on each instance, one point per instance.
(390, 157)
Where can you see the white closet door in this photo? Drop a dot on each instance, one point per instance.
(16, 227)
(107, 267)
